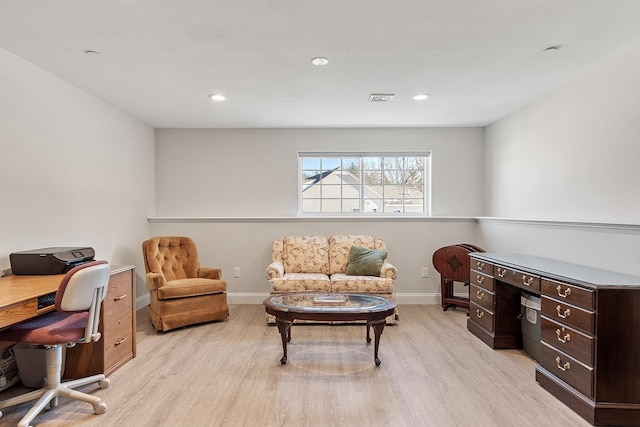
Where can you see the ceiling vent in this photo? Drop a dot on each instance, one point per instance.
(380, 97)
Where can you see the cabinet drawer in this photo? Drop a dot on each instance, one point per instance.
(481, 316)
(118, 342)
(119, 299)
(117, 305)
(482, 266)
(569, 293)
(481, 296)
(568, 314)
(482, 280)
(567, 369)
(518, 278)
(568, 340)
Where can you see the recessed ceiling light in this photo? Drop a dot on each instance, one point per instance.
(217, 97)
(421, 96)
(320, 61)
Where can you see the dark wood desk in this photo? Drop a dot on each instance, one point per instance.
(590, 329)
(19, 302)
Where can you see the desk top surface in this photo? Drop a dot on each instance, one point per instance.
(16, 288)
(560, 270)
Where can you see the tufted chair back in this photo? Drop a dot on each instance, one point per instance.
(175, 257)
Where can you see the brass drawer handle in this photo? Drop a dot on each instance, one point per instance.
(479, 313)
(563, 367)
(480, 265)
(566, 293)
(123, 296)
(567, 336)
(479, 279)
(480, 294)
(502, 272)
(525, 281)
(566, 314)
(121, 341)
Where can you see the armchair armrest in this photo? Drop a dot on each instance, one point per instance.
(210, 273)
(275, 270)
(155, 281)
(388, 271)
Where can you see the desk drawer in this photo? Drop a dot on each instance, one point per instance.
(481, 296)
(482, 280)
(568, 314)
(518, 278)
(481, 316)
(567, 369)
(118, 342)
(482, 266)
(16, 313)
(568, 340)
(569, 293)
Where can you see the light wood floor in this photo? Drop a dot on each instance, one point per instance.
(433, 373)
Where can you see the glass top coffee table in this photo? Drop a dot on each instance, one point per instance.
(329, 307)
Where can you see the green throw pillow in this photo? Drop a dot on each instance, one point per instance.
(365, 262)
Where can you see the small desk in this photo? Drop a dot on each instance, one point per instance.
(19, 301)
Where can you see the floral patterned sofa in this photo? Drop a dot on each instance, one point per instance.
(320, 264)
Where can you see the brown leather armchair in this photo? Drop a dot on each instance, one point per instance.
(182, 292)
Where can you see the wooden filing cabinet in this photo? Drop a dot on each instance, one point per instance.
(117, 344)
(590, 331)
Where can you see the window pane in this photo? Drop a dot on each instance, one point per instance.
(331, 191)
(350, 205)
(311, 205)
(372, 163)
(331, 205)
(352, 165)
(311, 192)
(373, 205)
(414, 163)
(330, 163)
(311, 163)
(393, 163)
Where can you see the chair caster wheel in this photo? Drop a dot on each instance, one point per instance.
(100, 408)
(104, 383)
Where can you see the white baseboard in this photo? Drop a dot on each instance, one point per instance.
(257, 298)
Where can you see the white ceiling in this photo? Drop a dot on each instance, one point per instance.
(479, 59)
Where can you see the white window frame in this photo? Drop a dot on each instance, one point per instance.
(363, 199)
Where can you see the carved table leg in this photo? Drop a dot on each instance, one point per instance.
(284, 327)
(378, 326)
(368, 335)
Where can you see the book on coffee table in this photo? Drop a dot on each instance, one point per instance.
(330, 299)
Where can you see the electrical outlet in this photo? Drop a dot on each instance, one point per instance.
(236, 272)
(425, 272)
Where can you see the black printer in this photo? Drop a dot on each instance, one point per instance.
(49, 260)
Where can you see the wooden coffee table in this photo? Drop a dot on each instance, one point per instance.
(329, 307)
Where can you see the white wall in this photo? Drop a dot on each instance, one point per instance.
(227, 174)
(254, 172)
(74, 171)
(570, 156)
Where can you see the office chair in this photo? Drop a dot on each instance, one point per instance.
(75, 320)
